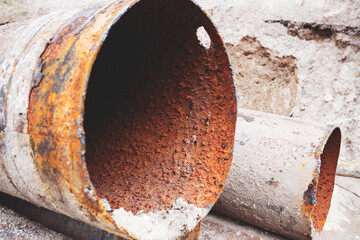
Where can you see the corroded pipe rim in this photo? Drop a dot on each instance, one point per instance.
(317, 198)
(288, 165)
(58, 98)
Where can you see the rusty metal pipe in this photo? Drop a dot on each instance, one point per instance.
(119, 115)
(282, 175)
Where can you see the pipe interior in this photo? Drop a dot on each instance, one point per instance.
(160, 110)
(325, 187)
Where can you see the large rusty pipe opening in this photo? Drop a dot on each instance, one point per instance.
(160, 110)
(325, 185)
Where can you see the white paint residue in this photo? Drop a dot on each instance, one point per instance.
(106, 204)
(164, 225)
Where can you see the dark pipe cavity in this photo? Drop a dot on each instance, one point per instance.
(160, 110)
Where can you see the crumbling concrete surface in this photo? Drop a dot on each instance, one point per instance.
(322, 38)
(264, 81)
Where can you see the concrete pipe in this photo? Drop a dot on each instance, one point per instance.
(282, 175)
(132, 134)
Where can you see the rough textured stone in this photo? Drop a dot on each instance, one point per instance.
(265, 82)
(324, 39)
(14, 226)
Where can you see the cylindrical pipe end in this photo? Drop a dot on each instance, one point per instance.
(325, 183)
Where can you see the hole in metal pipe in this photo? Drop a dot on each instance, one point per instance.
(159, 111)
(203, 37)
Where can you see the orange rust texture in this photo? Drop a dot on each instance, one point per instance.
(55, 115)
(160, 111)
(51, 134)
(325, 184)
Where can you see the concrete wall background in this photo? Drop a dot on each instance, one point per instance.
(290, 57)
(326, 57)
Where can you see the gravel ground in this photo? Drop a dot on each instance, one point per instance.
(14, 226)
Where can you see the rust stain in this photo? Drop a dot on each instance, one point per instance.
(160, 120)
(55, 116)
(326, 180)
(318, 196)
(170, 135)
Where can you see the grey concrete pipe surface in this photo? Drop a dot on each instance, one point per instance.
(282, 175)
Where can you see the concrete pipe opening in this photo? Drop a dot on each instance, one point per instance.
(160, 110)
(325, 185)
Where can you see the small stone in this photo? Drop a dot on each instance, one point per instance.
(328, 97)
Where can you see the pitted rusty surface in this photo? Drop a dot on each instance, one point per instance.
(52, 138)
(326, 181)
(159, 117)
(55, 115)
(318, 196)
(160, 111)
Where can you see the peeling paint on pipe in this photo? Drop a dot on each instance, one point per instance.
(282, 175)
(117, 116)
